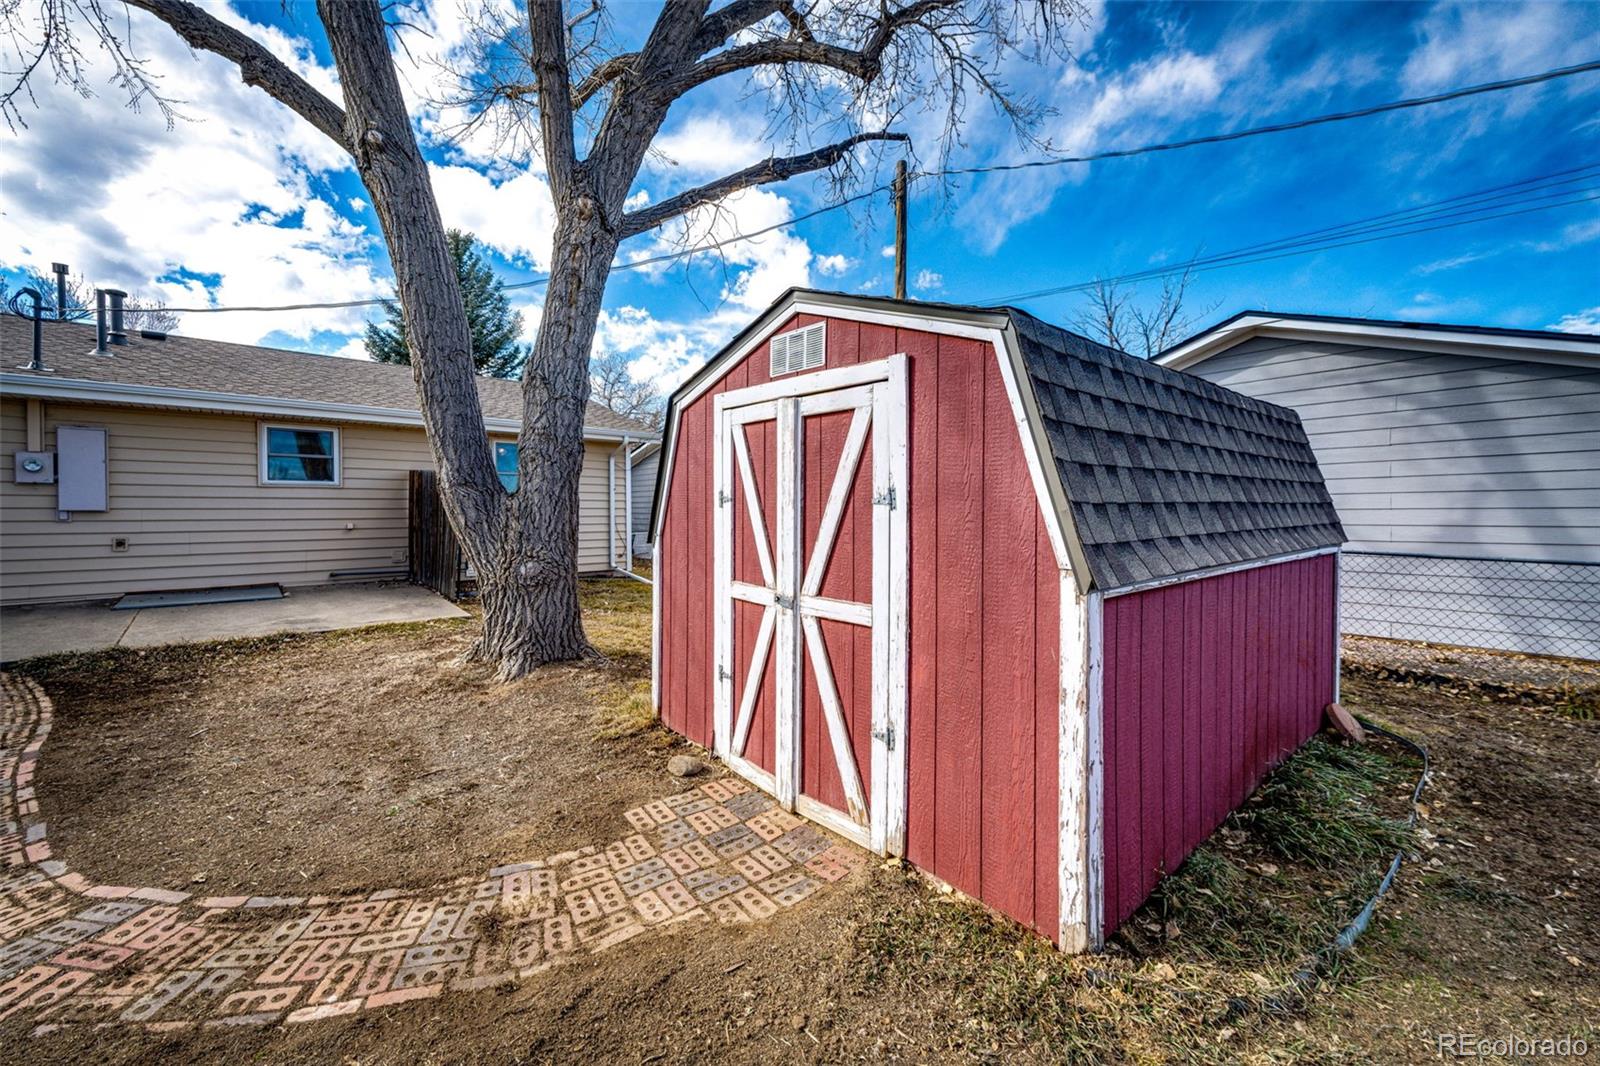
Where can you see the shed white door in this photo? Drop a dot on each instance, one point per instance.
(811, 614)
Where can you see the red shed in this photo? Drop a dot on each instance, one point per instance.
(971, 589)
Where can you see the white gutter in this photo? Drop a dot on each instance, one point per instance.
(76, 389)
(1571, 351)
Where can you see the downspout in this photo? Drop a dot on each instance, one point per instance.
(627, 504)
(611, 511)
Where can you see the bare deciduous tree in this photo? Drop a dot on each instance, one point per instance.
(138, 312)
(1115, 317)
(613, 386)
(553, 80)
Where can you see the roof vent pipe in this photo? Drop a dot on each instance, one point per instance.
(60, 271)
(37, 362)
(100, 323)
(118, 334)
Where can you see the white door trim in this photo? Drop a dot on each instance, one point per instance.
(791, 604)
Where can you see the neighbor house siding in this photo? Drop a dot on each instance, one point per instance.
(184, 490)
(1208, 685)
(1466, 458)
(644, 487)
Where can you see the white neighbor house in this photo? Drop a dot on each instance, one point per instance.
(1464, 460)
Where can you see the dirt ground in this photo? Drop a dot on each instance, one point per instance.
(347, 758)
(354, 761)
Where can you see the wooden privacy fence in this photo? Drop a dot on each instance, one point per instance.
(435, 556)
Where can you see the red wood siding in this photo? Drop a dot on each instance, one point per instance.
(1208, 685)
(985, 621)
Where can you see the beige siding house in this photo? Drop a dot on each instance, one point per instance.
(228, 464)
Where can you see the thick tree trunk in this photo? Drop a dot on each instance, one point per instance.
(524, 547)
(531, 589)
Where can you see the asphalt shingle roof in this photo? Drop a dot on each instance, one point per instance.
(1167, 473)
(248, 370)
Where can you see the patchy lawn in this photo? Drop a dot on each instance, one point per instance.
(1493, 929)
(349, 761)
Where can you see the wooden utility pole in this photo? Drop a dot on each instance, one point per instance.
(900, 230)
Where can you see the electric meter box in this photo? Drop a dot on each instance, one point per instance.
(35, 468)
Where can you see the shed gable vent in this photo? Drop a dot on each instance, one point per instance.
(799, 349)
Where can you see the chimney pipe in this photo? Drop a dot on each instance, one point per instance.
(60, 271)
(118, 334)
(100, 322)
(37, 362)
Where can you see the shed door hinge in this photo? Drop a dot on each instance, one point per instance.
(885, 498)
(722, 673)
(723, 499)
(886, 734)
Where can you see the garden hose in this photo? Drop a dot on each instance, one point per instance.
(1306, 976)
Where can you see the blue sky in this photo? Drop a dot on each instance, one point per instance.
(241, 202)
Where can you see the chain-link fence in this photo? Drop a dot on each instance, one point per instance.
(1545, 608)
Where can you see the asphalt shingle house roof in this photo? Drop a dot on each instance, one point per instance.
(247, 370)
(1167, 473)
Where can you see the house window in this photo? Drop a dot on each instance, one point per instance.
(299, 455)
(505, 464)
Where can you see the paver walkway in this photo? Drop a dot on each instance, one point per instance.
(72, 952)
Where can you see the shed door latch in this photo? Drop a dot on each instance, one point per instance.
(885, 498)
(786, 602)
(723, 499)
(886, 734)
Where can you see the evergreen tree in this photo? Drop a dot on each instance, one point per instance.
(495, 327)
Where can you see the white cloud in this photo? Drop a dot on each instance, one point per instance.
(709, 144)
(1571, 236)
(1585, 321)
(1099, 111)
(833, 266)
(927, 281)
(1463, 44)
(515, 217)
(231, 192)
(1456, 261)
(887, 251)
(753, 274)
(759, 269)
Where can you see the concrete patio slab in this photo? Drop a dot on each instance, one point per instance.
(29, 631)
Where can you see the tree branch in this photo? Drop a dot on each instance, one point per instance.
(863, 64)
(763, 173)
(547, 31)
(740, 15)
(258, 67)
(601, 76)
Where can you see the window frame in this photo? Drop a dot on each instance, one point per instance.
(494, 449)
(263, 467)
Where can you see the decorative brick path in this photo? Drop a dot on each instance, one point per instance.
(72, 952)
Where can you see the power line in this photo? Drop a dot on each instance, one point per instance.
(1341, 116)
(1419, 212)
(1283, 127)
(1238, 258)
